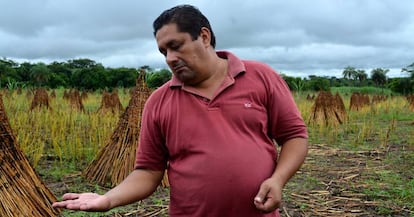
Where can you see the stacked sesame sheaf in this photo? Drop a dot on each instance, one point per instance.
(359, 101)
(40, 99)
(328, 110)
(115, 161)
(410, 99)
(110, 103)
(75, 99)
(22, 193)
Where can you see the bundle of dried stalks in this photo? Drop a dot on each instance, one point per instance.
(76, 101)
(84, 95)
(29, 93)
(66, 95)
(310, 97)
(8, 93)
(116, 159)
(340, 109)
(328, 110)
(110, 103)
(106, 103)
(22, 193)
(379, 98)
(116, 102)
(53, 94)
(40, 99)
(358, 101)
(410, 99)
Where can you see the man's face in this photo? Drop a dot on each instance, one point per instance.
(183, 54)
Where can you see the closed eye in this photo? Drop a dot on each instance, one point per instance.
(172, 45)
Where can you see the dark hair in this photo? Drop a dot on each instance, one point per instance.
(188, 19)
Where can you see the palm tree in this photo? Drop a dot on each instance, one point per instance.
(410, 70)
(361, 75)
(349, 72)
(379, 76)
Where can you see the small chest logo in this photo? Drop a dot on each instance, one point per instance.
(247, 104)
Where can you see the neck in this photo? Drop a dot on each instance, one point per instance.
(216, 72)
(216, 75)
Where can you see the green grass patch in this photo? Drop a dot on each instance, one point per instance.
(365, 90)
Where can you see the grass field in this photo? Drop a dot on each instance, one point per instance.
(363, 167)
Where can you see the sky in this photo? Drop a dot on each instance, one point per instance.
(296, 38)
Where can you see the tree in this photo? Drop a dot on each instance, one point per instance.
(87, 74)
(349, 72)
(361, 75)
(146, 68)
(90, 78)
(57, 80)
(402, 85)
(379, 76)
(61, 68)
(23, 72)
(294, 83)
(40, 74)
(410, 70)
(407, 84)
(82, 63)
(317, 83)
(122, 77)
(158, 78)
(7, 70)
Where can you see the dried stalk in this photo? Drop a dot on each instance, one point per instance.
(115, 161)
(22, 193)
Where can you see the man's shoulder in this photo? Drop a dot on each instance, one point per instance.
(247, 62)
(257, 64)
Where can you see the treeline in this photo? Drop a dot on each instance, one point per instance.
(86, 74)
(353, 77)
(83, 74)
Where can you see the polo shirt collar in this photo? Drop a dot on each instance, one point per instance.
(235, 67)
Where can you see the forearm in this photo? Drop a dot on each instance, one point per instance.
(292, 156)
(137, 186)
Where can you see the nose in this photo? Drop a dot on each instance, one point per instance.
(171, 57)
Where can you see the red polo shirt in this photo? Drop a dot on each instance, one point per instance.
(219, 151)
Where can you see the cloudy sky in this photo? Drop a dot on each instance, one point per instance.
(297, 38)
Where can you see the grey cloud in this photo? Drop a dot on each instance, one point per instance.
(295, 36)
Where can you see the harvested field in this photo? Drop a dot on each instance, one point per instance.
(360, 167)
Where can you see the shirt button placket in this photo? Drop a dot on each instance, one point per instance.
(206, 102)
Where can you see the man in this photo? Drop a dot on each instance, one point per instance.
(213, 125)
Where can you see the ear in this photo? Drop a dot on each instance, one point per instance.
(205, 36)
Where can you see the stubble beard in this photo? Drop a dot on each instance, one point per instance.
(184, 73)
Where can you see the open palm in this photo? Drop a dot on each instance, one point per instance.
(84, 202)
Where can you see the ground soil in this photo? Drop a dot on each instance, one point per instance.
(339, 182)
